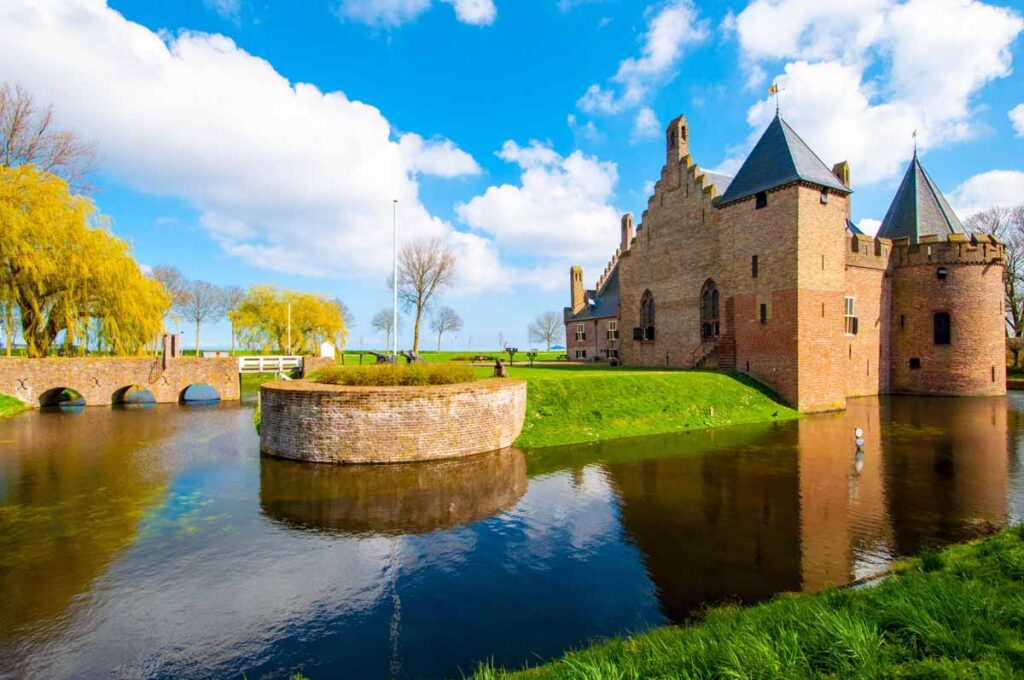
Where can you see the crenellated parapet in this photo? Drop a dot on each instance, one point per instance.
(954, 249)
(868, 252)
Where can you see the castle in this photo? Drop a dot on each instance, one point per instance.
(764, 273)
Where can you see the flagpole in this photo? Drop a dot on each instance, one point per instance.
(394, 281)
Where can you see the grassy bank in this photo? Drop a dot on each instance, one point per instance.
(9, 406)
(955, 614)
(570, 404)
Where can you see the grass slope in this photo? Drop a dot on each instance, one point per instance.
(956, 614)
(10, 406)
(571, 404)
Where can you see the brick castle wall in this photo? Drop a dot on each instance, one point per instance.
(340, 424)
(101, 380)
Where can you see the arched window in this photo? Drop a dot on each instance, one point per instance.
(647, 309)
(709, 325)
(942, 328)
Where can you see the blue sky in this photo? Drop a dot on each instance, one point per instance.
(252, 141)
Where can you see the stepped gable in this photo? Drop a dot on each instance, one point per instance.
(779, 158)
(919, 209)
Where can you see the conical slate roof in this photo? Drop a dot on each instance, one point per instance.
(780, 157)
(919, 209)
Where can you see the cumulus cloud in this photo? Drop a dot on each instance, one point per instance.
(859, 77)
(1003, 188)
(560, 211)
(283, 175)
(227, 9)
(669, 30)
(394, 13)
(1017, 119)
(869, 226)
(645, 125)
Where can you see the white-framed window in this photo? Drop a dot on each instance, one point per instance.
(581, 333)
(611, 353)
(849, 316)
(613, 330)
(581, 354)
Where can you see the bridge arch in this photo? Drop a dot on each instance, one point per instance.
(63, 398)
(199, 393)
(132, 395)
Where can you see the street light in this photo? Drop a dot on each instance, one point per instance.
(394, 281)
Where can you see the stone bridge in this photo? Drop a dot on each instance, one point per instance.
(104, 380)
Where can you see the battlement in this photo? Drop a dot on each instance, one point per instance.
(955, 249)
(868, 251)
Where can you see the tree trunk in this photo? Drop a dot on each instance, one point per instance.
(197, 338)
(416, 329)
(232, 338)
(439, 342)
(9, 328)
(387, 347)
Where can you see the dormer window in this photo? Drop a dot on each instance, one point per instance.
(761, 200)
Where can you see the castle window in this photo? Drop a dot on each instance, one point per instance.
(915, 363)
(613, 330)
(942, 329)
(709, 326)
(941, 273)
(581, 333)
(753, 266)
(824, 198)
(903, 322)
(761, 200)
(581, 354)
(849, 316)
(647, 309)
(764, 313)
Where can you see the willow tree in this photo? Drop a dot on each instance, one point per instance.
(261, 320)
(63, 270)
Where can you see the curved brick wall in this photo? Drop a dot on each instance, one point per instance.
(340, 424)
(974, 363)
(391, 499)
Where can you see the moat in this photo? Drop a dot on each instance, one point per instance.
(156, 542)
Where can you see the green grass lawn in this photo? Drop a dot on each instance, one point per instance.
(9, 406)
(588, 402)
(954, 614)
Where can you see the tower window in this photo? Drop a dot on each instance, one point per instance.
(849, 316)
(824, 198)
(761, 200)
(915, 363)
(764, 313)
(581, 333)
(942, 328)
(753, 266)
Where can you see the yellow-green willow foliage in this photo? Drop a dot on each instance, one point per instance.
(66, 273)
(261, 320)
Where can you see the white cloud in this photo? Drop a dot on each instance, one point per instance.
(560, 210)
(671, 29)
(585, 131)
(283, 175)
(1004, 188)
(645, 125)
(869, 226)
(227, 9)
(859, 77)
(1017, 119)
(394, 13)
(475, 12)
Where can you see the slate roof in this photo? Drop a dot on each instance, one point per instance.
(779, 158)
(919, 209)
(853, 228)
(605, 301)
(720, 180)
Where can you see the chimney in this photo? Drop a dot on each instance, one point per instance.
(677, 142)
(842, 171)
(577, 297)
(627, 232)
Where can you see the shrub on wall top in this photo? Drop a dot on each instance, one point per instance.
(401, 375)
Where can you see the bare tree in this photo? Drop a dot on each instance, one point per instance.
(384, 321)
(173, 282)
(233, 297)
(424, 268)
(547, 328)
(347, 317)
(445, 320)
(200, 301)
(1007, 224)
(28, 136)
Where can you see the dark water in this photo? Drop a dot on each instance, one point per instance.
(157, 543)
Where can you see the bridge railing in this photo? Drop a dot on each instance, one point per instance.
(265, 364)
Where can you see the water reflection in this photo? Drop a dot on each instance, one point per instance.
(391, 500)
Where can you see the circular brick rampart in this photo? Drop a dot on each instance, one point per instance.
(341, 424)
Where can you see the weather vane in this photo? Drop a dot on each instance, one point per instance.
(775, 90)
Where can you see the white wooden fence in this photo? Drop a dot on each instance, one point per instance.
(261, 364)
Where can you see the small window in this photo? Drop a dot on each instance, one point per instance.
(753, 266)
(764, 313)
(849, 316)
(581, 333)
(613, 330)
(581, 354)
(915, 363)
(942, 328)
(638, 333)
(941, 273)
(649, 333)
(824, 198)
(903, 322)
(761, 200)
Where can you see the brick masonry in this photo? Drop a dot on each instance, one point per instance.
(102, 380)
(341, 424)
(808, 262)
